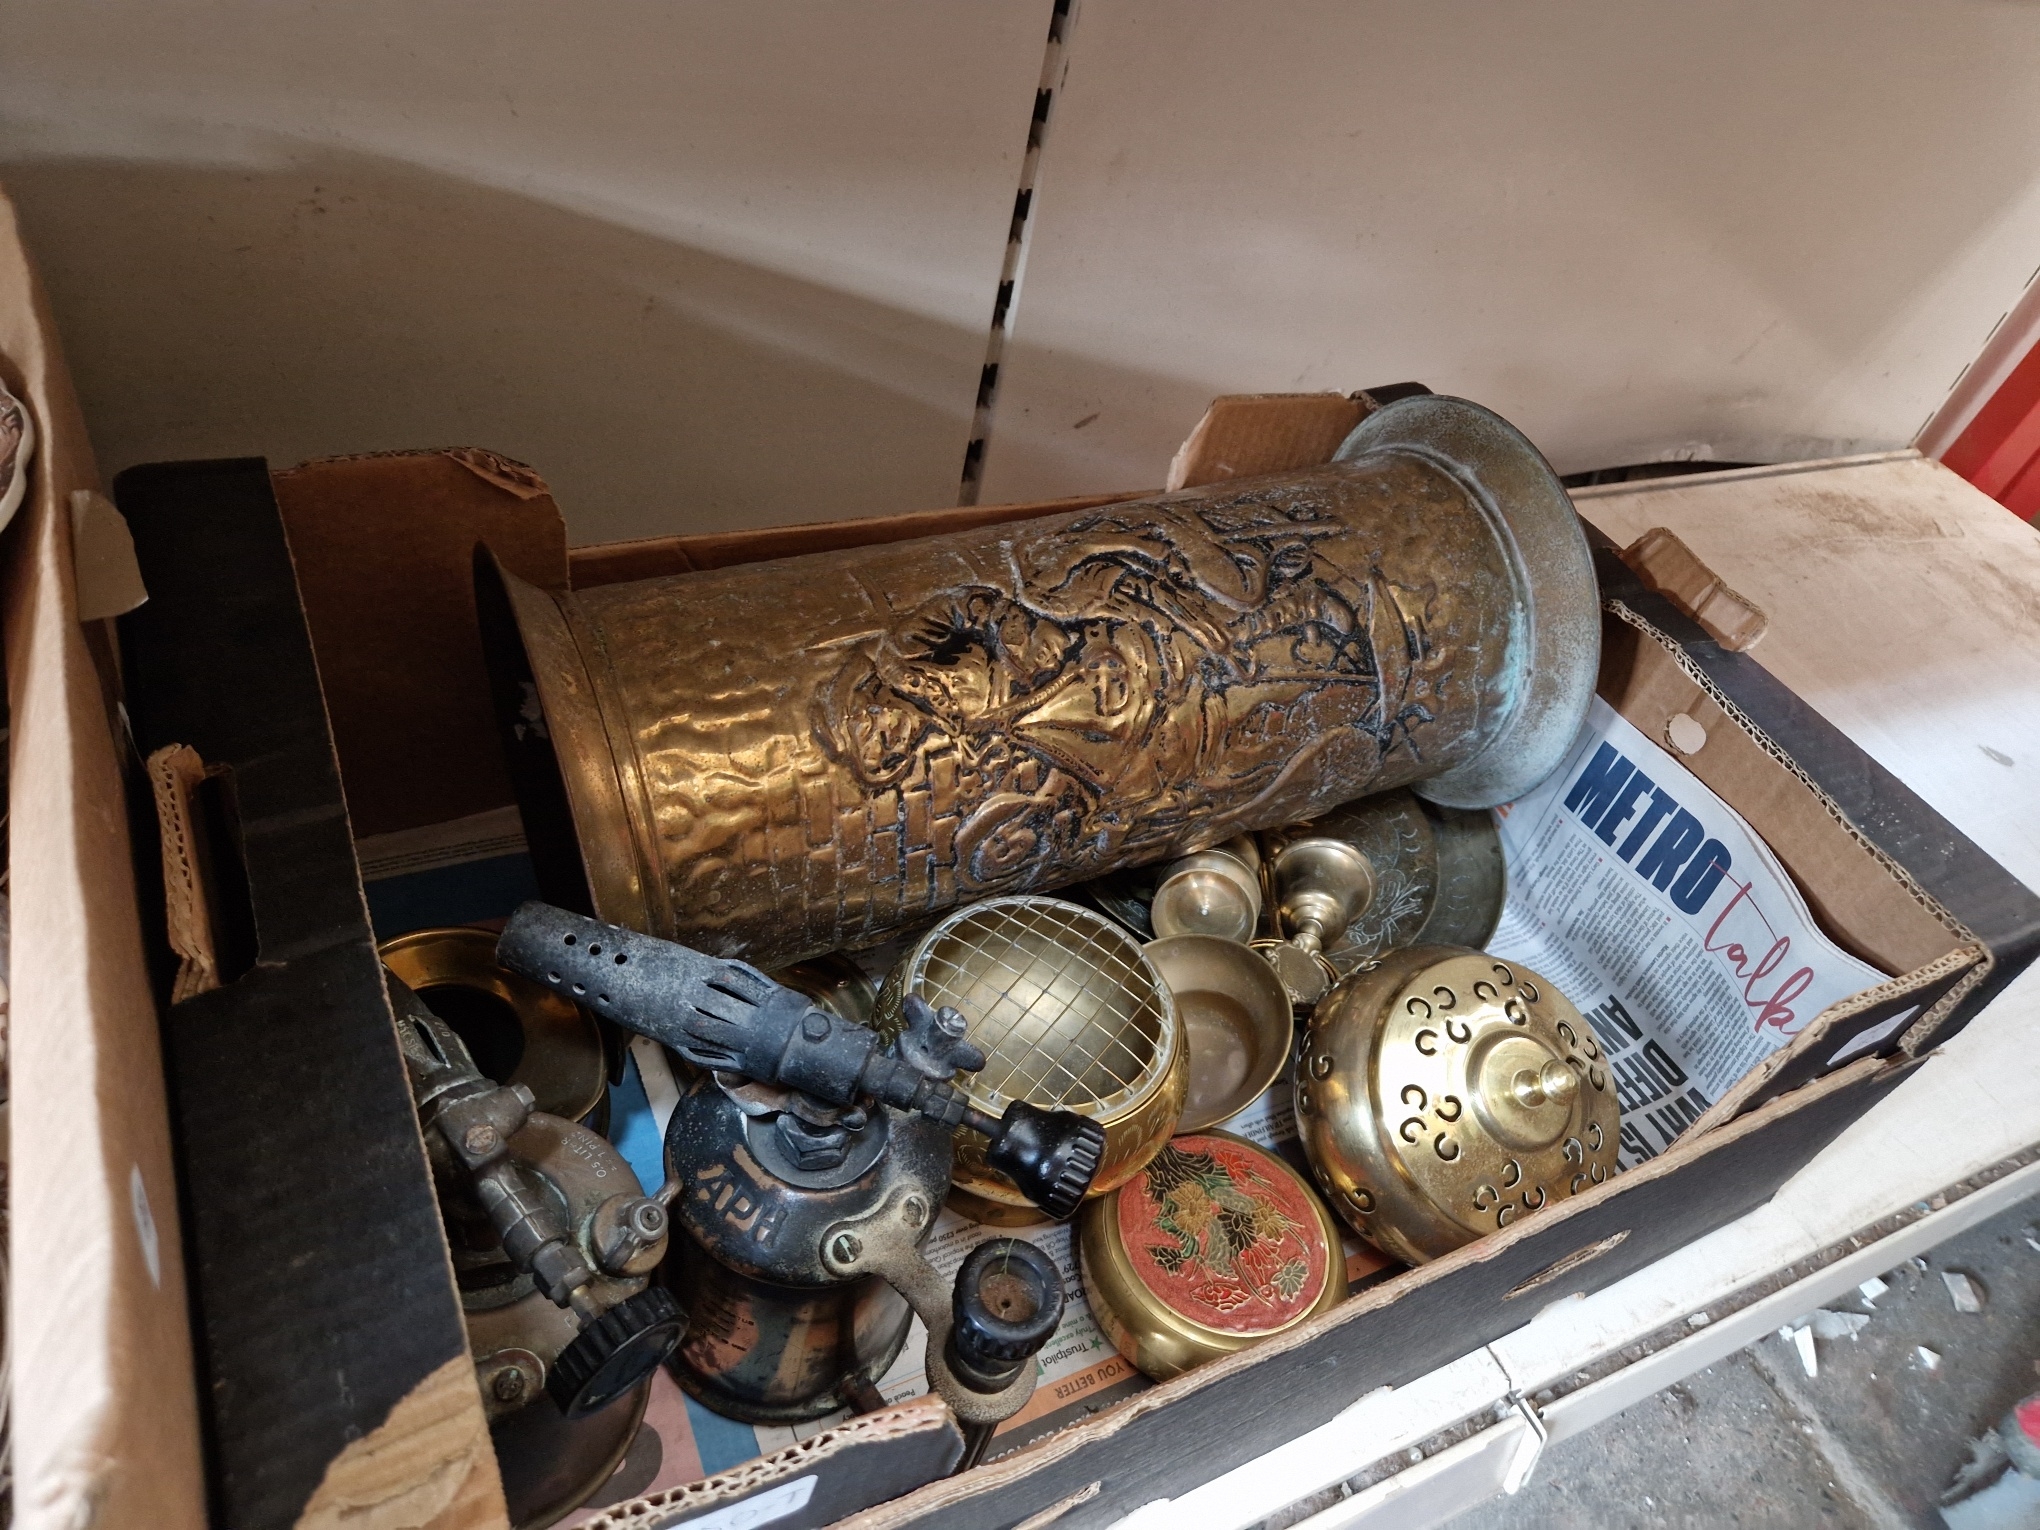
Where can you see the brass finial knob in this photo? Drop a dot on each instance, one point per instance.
(1443, 1093)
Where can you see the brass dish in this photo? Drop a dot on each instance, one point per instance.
(1444, 1093)
(1236, 1019)
(1070, 1016)
(1214, 1246)
(517, 1031)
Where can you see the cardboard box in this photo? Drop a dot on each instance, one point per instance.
(332, 1378)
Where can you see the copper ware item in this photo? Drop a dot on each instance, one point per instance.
(1237, 1023)
(553, 1249)
(519, 1032)
(784, 758)
(1213, 892)
(1214, 1246)
(1438, 874)
(804, 1166)
(1444, 1093)
(1070, 1016)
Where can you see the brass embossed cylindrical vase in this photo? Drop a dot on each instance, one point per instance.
(784, 758)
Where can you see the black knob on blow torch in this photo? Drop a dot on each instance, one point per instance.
(729, 1016)
(1008, 1302)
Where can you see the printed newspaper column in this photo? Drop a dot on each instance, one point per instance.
(1659, 912)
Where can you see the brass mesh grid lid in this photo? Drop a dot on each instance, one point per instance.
(1069, 1013)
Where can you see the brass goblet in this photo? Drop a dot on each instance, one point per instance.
(1321, 885)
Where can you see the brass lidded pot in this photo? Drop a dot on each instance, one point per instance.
(783, 758)
(1444, 1093)
(1070, 1016)
(1213, 1246)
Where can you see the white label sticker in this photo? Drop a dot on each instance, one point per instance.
(145, 1226)
(773, 1504)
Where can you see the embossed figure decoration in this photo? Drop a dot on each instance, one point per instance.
(1213, 1246)
(780, 759)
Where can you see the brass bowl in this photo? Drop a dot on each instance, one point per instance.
(1162, 1265)
(1236, 1019)
(518, 1031)
(1070, 1016)
(1444, 1093)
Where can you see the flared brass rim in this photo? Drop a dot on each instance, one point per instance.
(1558, 595)
(562, 1064)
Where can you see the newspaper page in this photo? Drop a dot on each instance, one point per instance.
(1658, 911)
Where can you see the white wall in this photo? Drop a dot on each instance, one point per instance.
(702, 264)
(718, 265)
(1752, 231)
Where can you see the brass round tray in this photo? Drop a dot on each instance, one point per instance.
(1214, 1245)
(518, 1032)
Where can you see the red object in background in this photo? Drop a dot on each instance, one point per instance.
(1999, 450)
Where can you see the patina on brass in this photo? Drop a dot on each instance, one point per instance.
(780, 759)
(1444, 1093)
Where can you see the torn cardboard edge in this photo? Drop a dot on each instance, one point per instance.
(919, 1417)
(175, 775)
(108, 578)
(1672, 569)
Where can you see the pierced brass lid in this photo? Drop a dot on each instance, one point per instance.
(1444, 1093)
(1070, 1016)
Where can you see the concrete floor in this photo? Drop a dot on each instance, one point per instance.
(1870, 1442)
